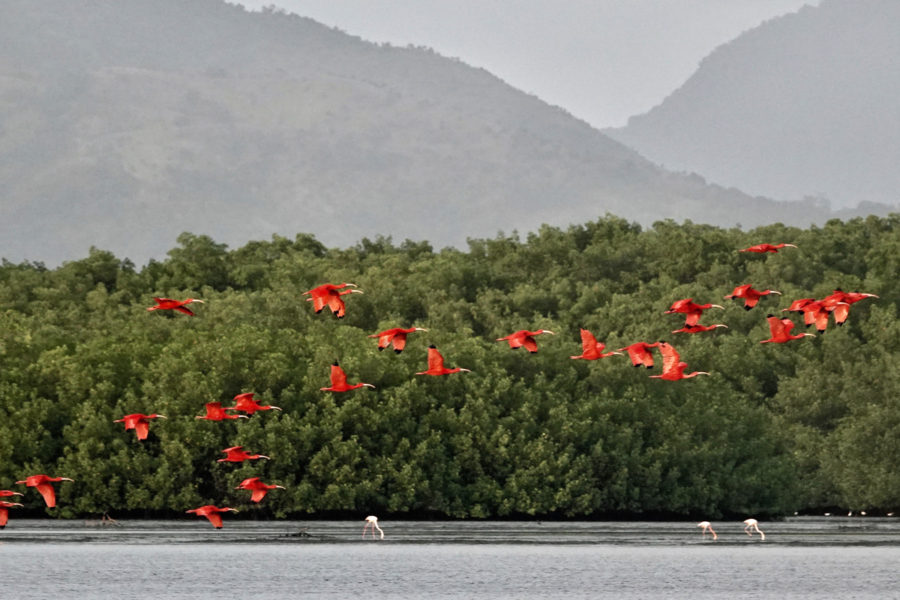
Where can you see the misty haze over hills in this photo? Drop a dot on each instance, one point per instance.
(127, 122)
(803, 105)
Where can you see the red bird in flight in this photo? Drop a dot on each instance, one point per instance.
(258, 488)
(840, 298)
(763, 248)
(212, 513)
(237, 454)
(9, 493)
(4, 512)
(179, 305)
(591, 349)
(673, 367)
(329, 294)
(339, 381)
(639, 353)
(816, 312)
(43, 483)
(691, 310)
(395, 336)
(139, 422)
(781, 331)
(750, 295)
(525, 338)
(436, 364)
(246, 403)
(215, 412)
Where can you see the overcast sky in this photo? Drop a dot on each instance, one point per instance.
(601, 60)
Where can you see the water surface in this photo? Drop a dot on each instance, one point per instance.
(800, 558)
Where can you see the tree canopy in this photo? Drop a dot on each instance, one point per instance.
(775, 428)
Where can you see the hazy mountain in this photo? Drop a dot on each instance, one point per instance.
(804, 104)
(126, 122)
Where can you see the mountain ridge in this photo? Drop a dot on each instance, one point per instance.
(800, 106)
(129, 124)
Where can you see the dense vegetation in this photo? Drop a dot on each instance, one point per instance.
(776, 428)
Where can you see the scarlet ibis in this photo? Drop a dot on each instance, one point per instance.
(816, 313)
(215, 412)
(436, 364)
(139, 422)
(246, 403)
(673, 367)
(329, 295)
(525, 338)
(781, 330)
(707, 526)
(591, 349)
(395, 336)
(751, 525)
(179, 305)
(339, 381)
(4, 512)
(699, 328)
(212, 513)
(848, 297)
(839, 298)
(690, 309)
(639, 353)
(750, 295)
(763, 248)
(797, 305)
(373, 521)
(238, 454)
(259, 489)
(9, 493)
(813, 311)
(43, 485)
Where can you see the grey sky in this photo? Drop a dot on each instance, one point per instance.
(602, 60)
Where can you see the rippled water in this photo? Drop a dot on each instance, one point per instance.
(800, 558)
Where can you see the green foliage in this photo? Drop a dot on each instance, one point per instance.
(773, 429)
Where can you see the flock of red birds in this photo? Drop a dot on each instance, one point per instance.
(815, 312)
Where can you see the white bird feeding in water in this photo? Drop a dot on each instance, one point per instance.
(751, 525)
(373, 521)
(707, 526)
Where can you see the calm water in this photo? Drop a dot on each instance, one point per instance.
(800, 558)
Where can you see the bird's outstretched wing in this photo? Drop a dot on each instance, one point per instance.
(338, 377)
(435, 360)
(670, 357)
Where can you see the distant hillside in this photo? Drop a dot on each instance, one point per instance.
(126, 122)
(803, 105)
